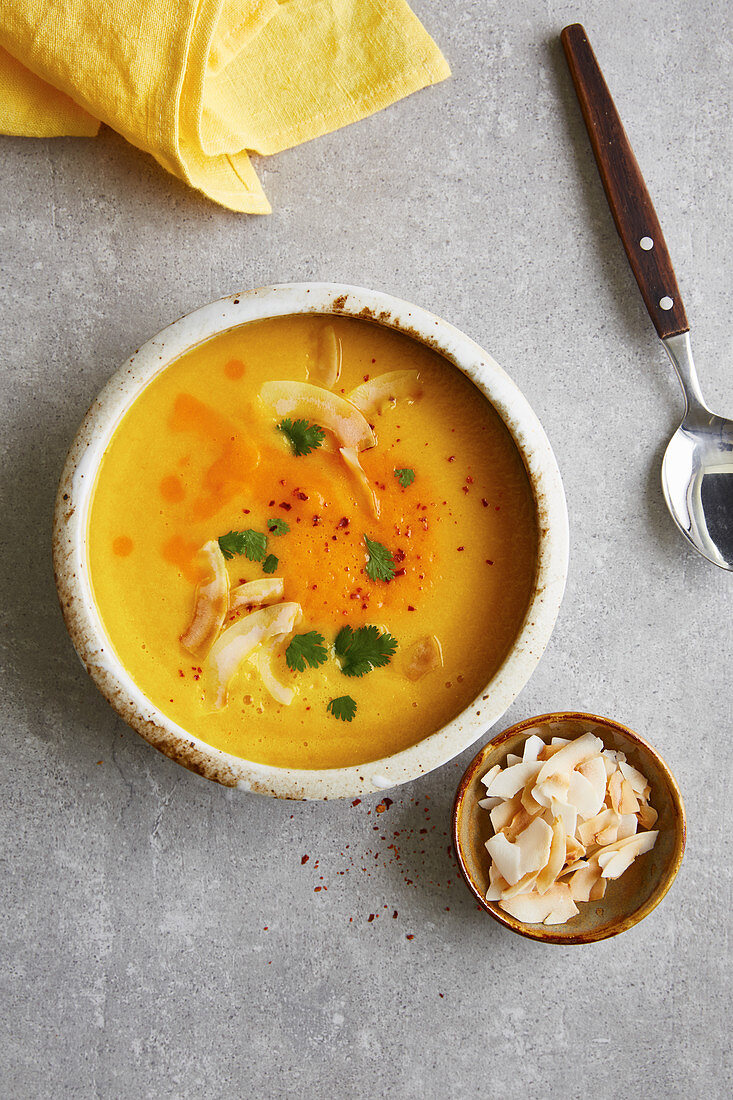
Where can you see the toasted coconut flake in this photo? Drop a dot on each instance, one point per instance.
(635, 778)
(594, 771)
(518, 824)
(424, 656)
(532, 747)
(556, 859)
(628, 803)
(211, 604)
(497, 884)
(350, 455)
(617, 864)
(327, 367)
(263, 658)
(638, 844)
(513, 759)
(555, 786)
(574, 849)
(534, 844)
(647, 815)
(237, 642)
(574, 865)
(627, 826)
(328, 410)
(524, 885)
(584, 795)
(583, 880)
(599, 890)
(541, 799)
(490, 775)
(257, 593)
(555, 906)
(386, 390)
(507, 857)
(566, 812)
(564, 908)
(530, 803)
(502, 814)
(589, 830)
(528, 908)
(489, 803)
(560, 741)
(548, 752)
(614, 790)
(511, 780)
(570, 756)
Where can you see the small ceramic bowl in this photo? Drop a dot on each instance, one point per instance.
(629, 898)
(76, 491)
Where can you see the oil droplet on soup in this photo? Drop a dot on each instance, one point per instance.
(197, 456)
(122, 546)
(234, 368)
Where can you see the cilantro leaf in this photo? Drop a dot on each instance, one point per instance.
(270, 564)
(277, 526)
(405, 476)
(344, 708)
(252, 544)
(303, 437)
(364, 649)
(306, 649)
(380, 563)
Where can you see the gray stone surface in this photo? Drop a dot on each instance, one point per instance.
(160, 936)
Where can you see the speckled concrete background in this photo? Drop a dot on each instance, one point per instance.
(162, 937)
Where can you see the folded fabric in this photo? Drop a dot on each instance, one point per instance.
(200, 83)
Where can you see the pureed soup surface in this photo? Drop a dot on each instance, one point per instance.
(199, 455)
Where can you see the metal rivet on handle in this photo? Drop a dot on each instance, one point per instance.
(666, 303)
(646, 243)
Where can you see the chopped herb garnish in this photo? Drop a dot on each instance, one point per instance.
(277, 526)
(252, 544)
(344, 708)
(306, 649)
(405, 477)
(364, 649)
(380, 564)
(270, 564)
(303, 437)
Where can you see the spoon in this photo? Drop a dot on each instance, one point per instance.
(697, 470)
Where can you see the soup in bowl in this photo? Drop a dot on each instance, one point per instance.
(310, 541)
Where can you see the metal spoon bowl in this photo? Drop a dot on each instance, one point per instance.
(697, 470)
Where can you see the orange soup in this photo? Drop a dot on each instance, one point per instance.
(312, 541)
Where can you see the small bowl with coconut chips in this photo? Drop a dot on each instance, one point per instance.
(568, 828)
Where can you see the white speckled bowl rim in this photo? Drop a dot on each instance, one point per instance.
(77, 487)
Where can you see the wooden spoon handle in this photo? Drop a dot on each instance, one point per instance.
(631, 206)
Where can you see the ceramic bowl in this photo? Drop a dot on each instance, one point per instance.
(77, 488)
(629, 898)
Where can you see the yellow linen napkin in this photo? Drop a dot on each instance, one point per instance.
(199, 83)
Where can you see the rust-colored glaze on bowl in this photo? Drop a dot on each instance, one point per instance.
(629, 898)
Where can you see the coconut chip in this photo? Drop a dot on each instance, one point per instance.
(350, 455)
(424, 656)
(384, 391)
(327, 368)
(329, 410)
(211, 603)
